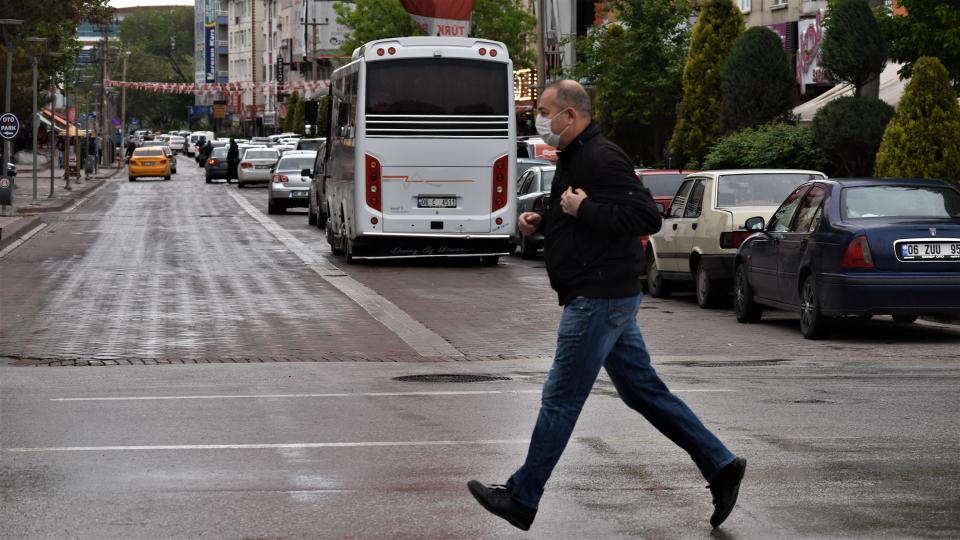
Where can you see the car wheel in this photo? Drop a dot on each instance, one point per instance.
(331, 240)
(746, 309)
(526, 250)
(813, 324)
(347, 249)
(311, 217)
(131, 178)
(272, 208)
(656, 285)
(209, 181)
(167, 177)
(489, 260)
(709, 290)
(904, 319)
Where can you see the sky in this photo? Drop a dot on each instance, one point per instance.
(128, 3)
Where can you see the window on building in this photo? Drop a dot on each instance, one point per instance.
(745, 5)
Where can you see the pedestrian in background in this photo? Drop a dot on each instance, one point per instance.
(59, 152)
(233, 160)
(593, 222)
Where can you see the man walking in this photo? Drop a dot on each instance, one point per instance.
(233, 159)
(592, 225)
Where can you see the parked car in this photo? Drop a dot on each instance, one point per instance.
(148, 161)
(313, 143)
(255, 165)
(289, 185)
(216, 165)
(525, 163)
(533, 191)
(536, 148)
(874, 246)
(317, 208)
(704, 226)
(663, 184)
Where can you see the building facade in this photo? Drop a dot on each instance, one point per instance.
(211, 46)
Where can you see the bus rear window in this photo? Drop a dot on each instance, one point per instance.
(440, 86)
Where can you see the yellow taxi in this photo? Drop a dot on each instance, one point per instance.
(148, 161)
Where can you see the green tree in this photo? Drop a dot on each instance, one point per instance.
(161, 45)
(509, 22)
(932, 28)
(635, 65)
(373, 19)
(298, 118)
(758, 83)
(849, 130)
(56, 20)
(921, 141)
(776, 145)
(506, 21)
(853, 48)
(698, 118)
(292, 103)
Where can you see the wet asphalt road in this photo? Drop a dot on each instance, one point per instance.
(854, 437)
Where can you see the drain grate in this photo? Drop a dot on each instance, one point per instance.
(450, 378)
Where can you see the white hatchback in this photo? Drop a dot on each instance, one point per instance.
(255, 165)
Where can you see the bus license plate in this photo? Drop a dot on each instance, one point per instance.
(436, 202)
(929, 251)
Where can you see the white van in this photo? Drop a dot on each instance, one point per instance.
(194, 137)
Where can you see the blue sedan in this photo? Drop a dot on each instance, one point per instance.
(854, 247)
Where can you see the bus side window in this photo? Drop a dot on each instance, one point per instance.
(343, 118)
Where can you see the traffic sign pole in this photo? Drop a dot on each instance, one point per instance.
(9, 127)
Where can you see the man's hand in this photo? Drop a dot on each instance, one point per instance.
(528, 222)
(570, 201)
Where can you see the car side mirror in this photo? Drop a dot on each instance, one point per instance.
(305, 172)
(755, 223)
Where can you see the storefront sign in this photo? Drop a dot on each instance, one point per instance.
(210, 53)
(808, 52)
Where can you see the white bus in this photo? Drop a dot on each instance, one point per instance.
(421, 152)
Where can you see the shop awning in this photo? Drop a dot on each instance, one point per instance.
(891, 88)
(60, 123)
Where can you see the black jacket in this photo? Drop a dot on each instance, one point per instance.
(597, 254)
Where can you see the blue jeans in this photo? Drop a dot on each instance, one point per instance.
(598, 332)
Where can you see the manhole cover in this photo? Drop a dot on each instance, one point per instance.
(450, 378)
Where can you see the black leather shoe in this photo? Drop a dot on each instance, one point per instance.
(725, 487)
(499, 501)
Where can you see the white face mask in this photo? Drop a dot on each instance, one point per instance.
(546, 133)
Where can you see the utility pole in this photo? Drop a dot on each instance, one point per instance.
(312, 25)
(53, 122)
(123, 103)
(36, 42)
(253, 59)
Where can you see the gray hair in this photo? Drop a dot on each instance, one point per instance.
(571, 94)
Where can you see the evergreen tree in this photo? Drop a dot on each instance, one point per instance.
(698, 119)
(373, 19)
(922, 139)
(288, 120)
(298, 123)
(849, 130)
(757, 80)
(853, 48)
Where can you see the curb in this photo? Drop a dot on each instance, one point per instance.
(65, 203)
(12, 231)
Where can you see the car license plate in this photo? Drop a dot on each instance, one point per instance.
(436, 202)
(298, 194)
(929, 251)
(147, 163)
(263, 166)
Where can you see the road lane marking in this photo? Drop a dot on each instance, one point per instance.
(412, 332)
(269, 446)
(338, 395)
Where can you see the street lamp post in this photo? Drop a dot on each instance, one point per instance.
(8, 35)
(123, 102)
(53, 122)
(37, 42)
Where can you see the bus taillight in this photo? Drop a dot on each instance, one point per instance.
(500, 183)
(373, 183)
